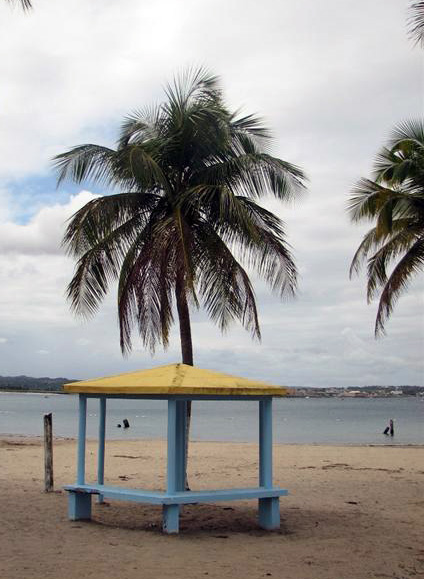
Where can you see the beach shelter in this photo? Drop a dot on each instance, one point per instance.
(176, 383)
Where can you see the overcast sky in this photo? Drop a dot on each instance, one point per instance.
(331, 78)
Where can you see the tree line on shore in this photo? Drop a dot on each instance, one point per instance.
(45, 384)
(28, 383)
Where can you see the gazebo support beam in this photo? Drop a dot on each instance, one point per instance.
(82, 429)
(80, 504)
(176, 466)
(101, 451)
(269, 508)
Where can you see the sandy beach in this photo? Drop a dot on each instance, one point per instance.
(353, 512)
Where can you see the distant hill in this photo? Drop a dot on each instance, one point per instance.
(27, 384)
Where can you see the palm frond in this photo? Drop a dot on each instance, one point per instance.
(392, 166)
(86, 163)
(144, 170)
(254, 175)
(192, 83)
(401, 162)
(94, 272)
(416, 22)
(268, 253)
(224, 285)
(367, 200)
(258, 237)
(249, 128)
(102, 216)
(398, 244)
(369, 241)
(284, 180)
(141, 126)
(25, 4)
(408, 130)
(410, 265)
(100, 235)
(146, 283)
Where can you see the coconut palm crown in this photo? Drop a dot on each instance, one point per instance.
(186, 221)
(394, 200)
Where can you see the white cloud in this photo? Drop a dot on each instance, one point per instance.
(71, 73)
(43, 233)
(34, 271)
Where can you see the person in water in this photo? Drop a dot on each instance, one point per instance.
(389, 429)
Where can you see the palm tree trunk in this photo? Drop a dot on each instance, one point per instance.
(186, 350)
(184, 319)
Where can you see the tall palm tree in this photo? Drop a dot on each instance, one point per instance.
(186, 220)
(395, 201)
(416, 22)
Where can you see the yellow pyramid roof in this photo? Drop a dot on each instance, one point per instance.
(175, 379)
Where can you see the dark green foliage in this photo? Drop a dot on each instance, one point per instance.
(395, 202)
(191, 173)
(27, 383)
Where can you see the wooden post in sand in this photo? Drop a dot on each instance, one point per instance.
(48, 453)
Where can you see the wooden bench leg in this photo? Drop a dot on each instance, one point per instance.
(171, 515)
(269, 513)
(79, 506)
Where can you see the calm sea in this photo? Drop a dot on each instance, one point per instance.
(296, 420)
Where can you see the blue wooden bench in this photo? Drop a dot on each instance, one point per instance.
(269, 508)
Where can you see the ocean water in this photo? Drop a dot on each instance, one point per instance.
(296, 420)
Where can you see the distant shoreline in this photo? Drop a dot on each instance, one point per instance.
(297, 396)
(18, 391)
(5, 438)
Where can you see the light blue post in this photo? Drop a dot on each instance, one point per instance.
(82, 427)
(181, 436)
(101, 452)
(176, 462)
(171, 485)
(79, 506)
(269, 508)
(79, 503)
(265, 443)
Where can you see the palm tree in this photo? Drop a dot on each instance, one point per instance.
(395, 201)
(416, 22)
(186, 220)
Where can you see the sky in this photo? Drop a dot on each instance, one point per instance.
(330, 78)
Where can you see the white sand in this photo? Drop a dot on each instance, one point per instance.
(352, 513)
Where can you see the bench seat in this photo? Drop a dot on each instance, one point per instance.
(268, 498)
(177, 498)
